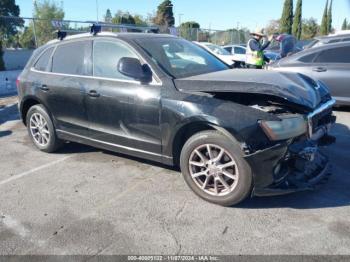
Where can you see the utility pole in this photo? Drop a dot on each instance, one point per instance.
(180, 15)
(34, 31)
(97, 10)
(239, 33)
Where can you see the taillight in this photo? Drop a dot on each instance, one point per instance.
(17, 82)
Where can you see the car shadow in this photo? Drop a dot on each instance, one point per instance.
(9, 113)
(5, 133)
(334, 193)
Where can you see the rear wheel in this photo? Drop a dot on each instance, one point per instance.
(41, 129)
(213, 167)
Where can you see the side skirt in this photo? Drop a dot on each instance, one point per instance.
(64, 135)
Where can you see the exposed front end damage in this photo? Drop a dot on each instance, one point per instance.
(298, 163)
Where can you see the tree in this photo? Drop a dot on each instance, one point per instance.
(2, 63)
(108, 16)
(44, 13)
(310, 28)
(26, 38)
(139, 20)
(287, 17)
(273, 27)
(345, 24)
(8, 27)
(123, 18)
(165, 15)
(324, 23)
(189, 30)
(297, 22)
(329, 18)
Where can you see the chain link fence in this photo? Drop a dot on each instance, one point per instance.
(34, 32)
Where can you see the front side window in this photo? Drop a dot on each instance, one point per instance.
(43, 60)
(106, 57)
(335, 55)
(180, 58)
(73, 58)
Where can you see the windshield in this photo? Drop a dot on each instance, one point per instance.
(217, 49)
(180, 58)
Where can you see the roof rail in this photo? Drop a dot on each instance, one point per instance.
(97, 27)
(62, 34)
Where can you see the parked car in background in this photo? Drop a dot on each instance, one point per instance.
(238, 52)
(234, 133)
(218, 51)
(327, 63)
(330, 39)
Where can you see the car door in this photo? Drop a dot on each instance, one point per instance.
(71, 65)
(121, 111)
(332, 66)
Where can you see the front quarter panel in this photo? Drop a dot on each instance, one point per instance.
(238, 120)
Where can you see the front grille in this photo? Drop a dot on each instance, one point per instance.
(320, 117)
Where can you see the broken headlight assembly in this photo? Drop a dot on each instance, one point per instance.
(289, 126)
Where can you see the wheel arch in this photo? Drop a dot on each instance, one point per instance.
(29, 102)
(190, 129)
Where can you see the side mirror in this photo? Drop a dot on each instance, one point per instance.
(131, 67)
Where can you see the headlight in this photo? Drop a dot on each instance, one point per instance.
(289, 126)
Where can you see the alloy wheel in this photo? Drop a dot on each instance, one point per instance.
(39, 129)
(213, 169)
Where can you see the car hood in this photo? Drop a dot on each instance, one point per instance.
(295, 88)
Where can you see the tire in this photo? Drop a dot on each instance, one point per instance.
(211, 172)
(39, 125)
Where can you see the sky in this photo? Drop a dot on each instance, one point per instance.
(214, 14)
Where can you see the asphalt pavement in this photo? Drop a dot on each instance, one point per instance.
(83, 200)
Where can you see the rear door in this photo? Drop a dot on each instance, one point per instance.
(71, 67)
(332, 66)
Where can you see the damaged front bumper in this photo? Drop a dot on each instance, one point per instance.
(289, 167)
(302, 168)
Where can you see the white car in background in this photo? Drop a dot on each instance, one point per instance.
(238, 52)
(218, 51)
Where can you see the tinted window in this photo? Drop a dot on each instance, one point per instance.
(228, 49)
(335, 55)
(334, 41)
(43, 60)
(106, 57)
(73, 58)
(240, 51)
(307, 58)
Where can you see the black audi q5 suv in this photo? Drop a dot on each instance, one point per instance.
(234, 133)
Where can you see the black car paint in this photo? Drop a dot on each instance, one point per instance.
(151, 120)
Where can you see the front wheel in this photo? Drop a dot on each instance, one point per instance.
(213, 167)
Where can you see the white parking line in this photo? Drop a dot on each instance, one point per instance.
(29, 172)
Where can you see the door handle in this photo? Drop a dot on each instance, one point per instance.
(319, 69)
(93, 93)
(44, 88)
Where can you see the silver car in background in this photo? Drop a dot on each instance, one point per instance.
(327, 63)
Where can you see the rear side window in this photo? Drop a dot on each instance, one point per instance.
(335, 55)
(228, 48)
(106, 57)
(308, 58)
(73, 58)
(240, 51)
(43, 61)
